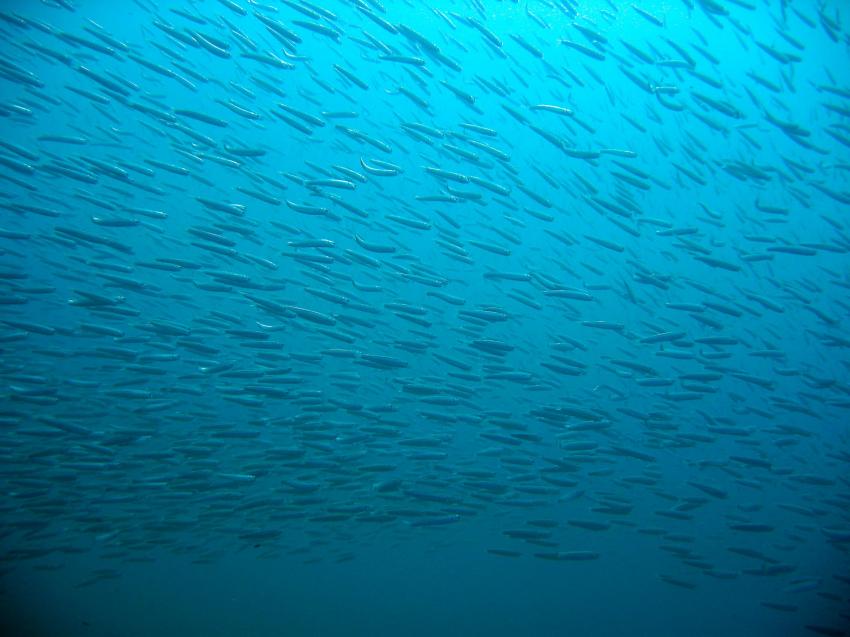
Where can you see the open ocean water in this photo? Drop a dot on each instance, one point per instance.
(424, 318)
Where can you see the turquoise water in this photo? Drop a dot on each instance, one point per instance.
(459, 318)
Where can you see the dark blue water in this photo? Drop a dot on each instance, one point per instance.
(467, 318)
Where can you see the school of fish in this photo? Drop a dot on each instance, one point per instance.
(291, 277)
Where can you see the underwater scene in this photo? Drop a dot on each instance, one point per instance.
(424, 318)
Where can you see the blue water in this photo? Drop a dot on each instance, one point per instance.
(459, 318)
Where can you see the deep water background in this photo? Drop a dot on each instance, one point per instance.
(151, 496)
